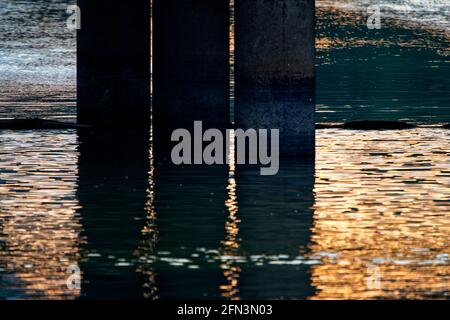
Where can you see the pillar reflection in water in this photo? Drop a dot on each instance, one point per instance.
(198, 231)
(189, 202)
(113, 186)
(145, 252)
(276, 217)
(231, 244)
(213, 238)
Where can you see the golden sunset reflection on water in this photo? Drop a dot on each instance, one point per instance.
(231, 243)
(380, 225)
(39, 227)
(381, 214)
(150, 237)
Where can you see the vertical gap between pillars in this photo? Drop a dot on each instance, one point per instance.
(151, 67)
(232, 61)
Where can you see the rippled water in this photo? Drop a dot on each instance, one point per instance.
(431, 13)
(381, 210)
(368, 220)
(37, 60)
(39, 226)
(398, 72)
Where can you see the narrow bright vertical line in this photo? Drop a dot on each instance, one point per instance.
(151, 49)
(232, 61)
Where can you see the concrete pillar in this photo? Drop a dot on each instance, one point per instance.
(190, 66)
(275, 70)
(113, 64)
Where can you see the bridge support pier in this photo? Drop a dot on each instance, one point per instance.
(113, 64)
(190, 66)
(275, 71)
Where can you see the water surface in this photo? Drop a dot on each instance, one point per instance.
(368, 220)
(399, 72)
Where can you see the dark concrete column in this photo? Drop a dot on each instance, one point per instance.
(190, 66)
(113, 72)
(275, 70)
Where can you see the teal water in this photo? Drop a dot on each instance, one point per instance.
(399, 72)
(368, 219)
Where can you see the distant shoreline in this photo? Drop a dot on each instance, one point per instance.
(39, 124)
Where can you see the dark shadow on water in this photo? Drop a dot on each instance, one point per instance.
(113, 183)
(276, 217)
(209, 226)
(189, 232)
(189, 204)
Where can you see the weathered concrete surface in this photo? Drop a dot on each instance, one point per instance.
(190, 66)
(275, 79)
(113, 64)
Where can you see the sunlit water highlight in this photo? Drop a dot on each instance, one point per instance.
(370, 221)
(39, 226)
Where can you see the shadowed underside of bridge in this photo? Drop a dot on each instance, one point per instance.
(274, 68)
